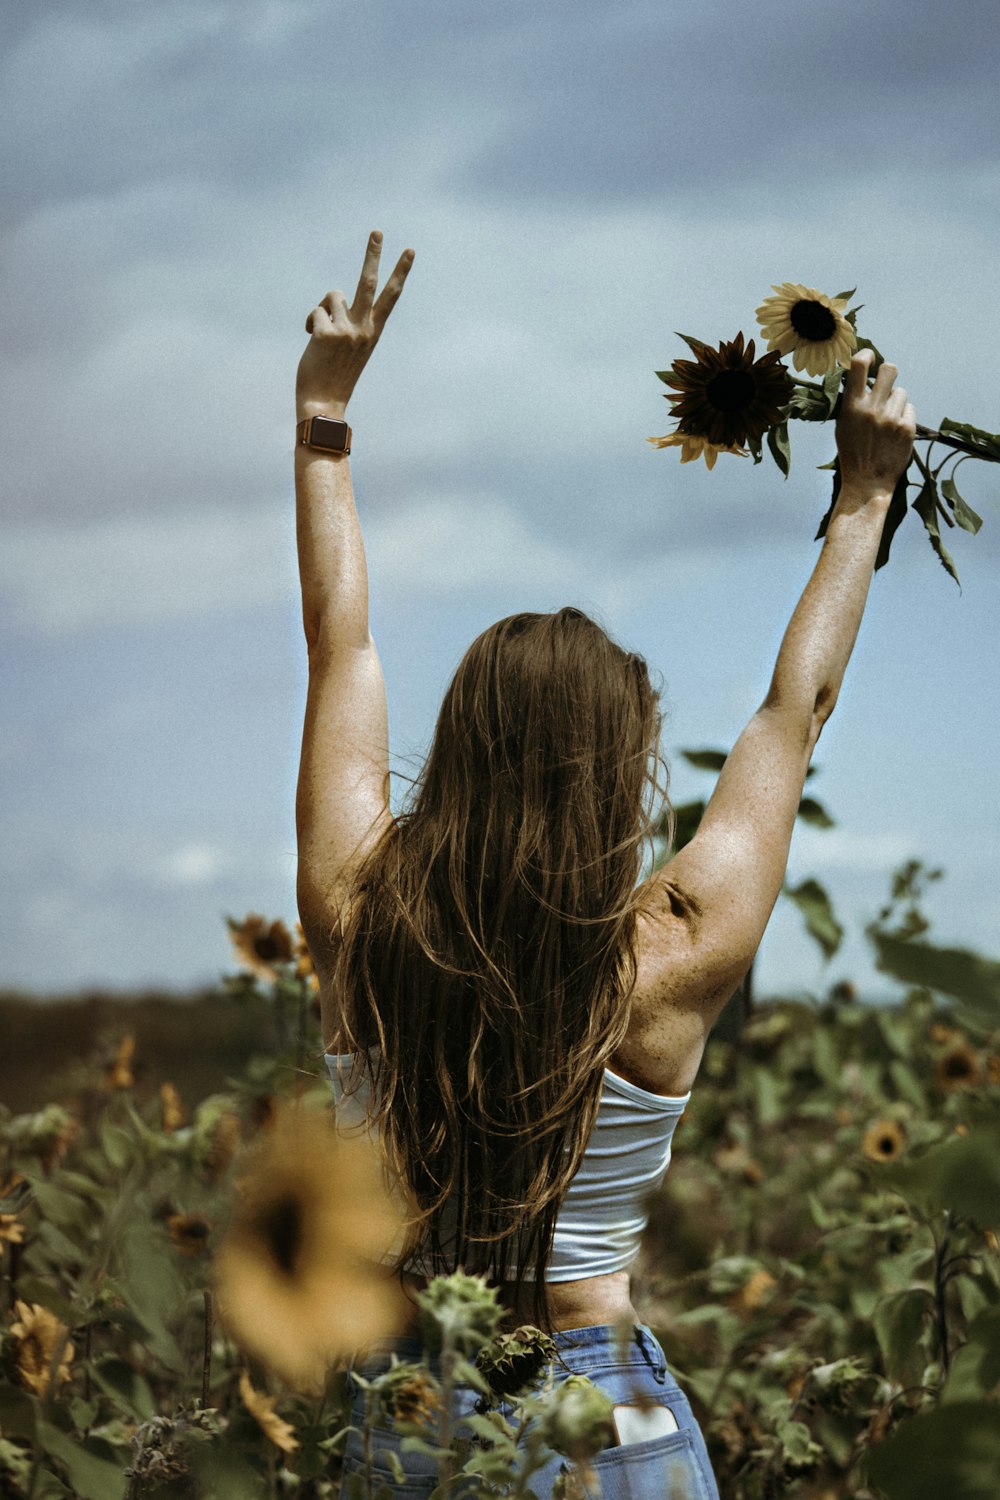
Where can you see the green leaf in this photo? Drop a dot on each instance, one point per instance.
(814, 813)
(693, 344)
(125, 1386)
(92, 1475)
(817, 911)
(925, 506)
(878, 360)
(986, 443)
(899, 1323)
(969, 977)
(960, 1174)
(894, 515)
(965, 516)
(845, 296)
(832, 387)
(17, 1412)
(779, 446)
(706, 760)
(953, 1450)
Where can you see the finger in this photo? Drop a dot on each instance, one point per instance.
(857, 374)
(318, 320)
(365, 294)
(884, 379)
(392, 288)
(336, 305)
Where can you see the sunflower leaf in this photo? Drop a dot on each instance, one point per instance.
(813, 812)
(986, 443)
(832, 385)
(964, 514)
(894, 515)
(778, 445)
(821, 529)
(706, 760)
(879, 358)
(845, 296)
(925, 506)
(821, 924)
(693, 344)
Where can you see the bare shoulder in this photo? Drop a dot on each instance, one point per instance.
(674, 1003)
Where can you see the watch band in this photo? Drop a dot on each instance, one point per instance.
(328, 434)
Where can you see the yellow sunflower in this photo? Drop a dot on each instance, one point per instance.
(300, 1278)
(725, 396)
(802, 319)
(693, 447)
(883, 1140)
(120, 1075)
(171, 1109)
(958, 1068)
(261, 945)
(261, 1408)
(11, 1229)
(44, 1352)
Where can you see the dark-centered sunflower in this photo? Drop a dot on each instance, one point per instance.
(805, 320)
(725, 396)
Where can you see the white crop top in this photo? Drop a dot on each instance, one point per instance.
(602, 1216)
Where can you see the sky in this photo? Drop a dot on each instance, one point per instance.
(182, 183)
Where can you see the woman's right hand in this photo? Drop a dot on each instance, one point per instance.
(875, 429)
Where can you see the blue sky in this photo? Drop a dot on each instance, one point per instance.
(184, 182)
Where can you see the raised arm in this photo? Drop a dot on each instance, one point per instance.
(342, 800)
(709, 905)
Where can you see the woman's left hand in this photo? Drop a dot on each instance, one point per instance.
(342, 337)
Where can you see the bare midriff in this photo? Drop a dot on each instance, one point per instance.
(587, 1303)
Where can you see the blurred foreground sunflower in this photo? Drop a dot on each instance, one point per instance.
(44, 1353)
(725, 396)
(299, 1276)
(806, 321)
(261, 946)
(883, 1140)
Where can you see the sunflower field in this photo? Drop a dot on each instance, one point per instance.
(822, 1264)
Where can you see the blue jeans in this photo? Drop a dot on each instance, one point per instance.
(671, 1467)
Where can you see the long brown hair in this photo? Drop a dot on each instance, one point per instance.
(488, 960)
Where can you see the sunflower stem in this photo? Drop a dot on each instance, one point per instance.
(206, 1364)
(448, 1358)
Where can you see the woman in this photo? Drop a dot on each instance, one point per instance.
(526, 1017)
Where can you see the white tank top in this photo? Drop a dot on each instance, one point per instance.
(603, 1213)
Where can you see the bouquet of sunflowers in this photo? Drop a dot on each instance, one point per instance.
(727, 401)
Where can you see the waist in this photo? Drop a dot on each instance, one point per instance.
(592, 1301)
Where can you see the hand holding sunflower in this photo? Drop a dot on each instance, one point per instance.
(726, 401)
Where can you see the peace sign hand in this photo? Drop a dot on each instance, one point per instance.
(342, 338)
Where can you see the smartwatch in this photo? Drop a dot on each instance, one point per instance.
(328, 434)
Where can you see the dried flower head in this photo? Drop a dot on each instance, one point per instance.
(725, 396)
(460, 1307)
(515, 1362)
(577, 1419)
(261, 946)
(958, 1068)
(44, 1352)
(261, 1408)
(300, 1277)
(409, 1394)
(883, 1140)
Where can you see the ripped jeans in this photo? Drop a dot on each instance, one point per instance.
(671, 1466)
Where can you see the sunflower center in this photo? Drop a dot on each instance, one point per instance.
(731, 390)
(281, 1227)
(813, 321)
(266, 948)
(886, 1145)
(958, 1067)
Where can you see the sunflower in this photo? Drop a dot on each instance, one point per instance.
(44, 1352)
(693, 447)
(300, 1279)
(11, 1229)
(753, 1292)
(120, 1075)
(261, 945)
(261, 1408)
(883, 1140)
(303, 960)
(803, 319)
(171, 1109)
(958, 1068)
(725, 396)
(189, 1233)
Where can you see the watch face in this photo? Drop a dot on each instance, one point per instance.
(328, 432)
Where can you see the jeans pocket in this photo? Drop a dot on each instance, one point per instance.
(662, 1468)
